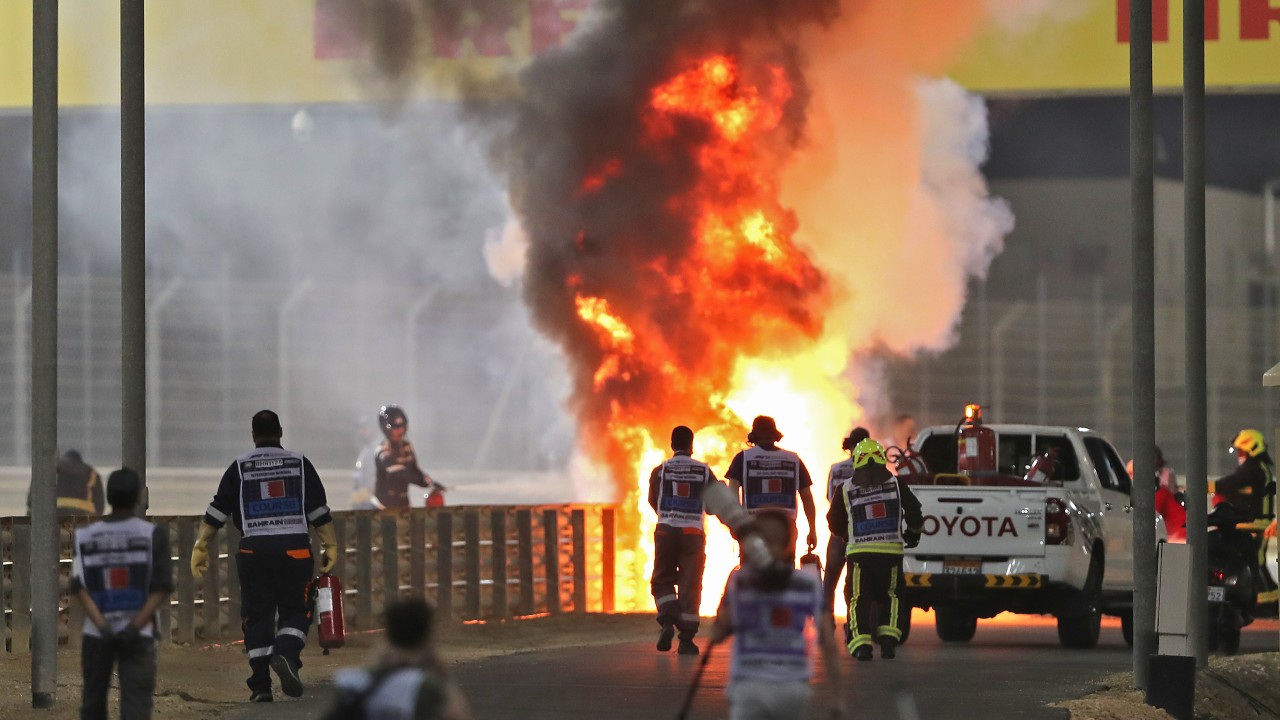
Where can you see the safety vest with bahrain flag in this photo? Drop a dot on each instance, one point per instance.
(272, 498)
(875, 517)
(770, 478)
(681, 481)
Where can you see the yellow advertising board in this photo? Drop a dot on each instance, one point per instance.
(301, 51)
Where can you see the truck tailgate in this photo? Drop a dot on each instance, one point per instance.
(970, 522)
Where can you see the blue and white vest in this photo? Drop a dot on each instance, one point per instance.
(272, 492)
(681, 481)
(113, 561)
(769, 627)
(770, 478)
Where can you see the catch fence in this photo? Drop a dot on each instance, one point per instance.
(476, 563)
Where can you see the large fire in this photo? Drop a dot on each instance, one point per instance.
(752, 293)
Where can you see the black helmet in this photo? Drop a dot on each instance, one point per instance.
(391, 417)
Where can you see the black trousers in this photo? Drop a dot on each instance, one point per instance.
(273, 610)
(874, 580)
(676, 583)
(136, 662)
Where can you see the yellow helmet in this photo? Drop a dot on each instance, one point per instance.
(1250, 442)
(867, 451)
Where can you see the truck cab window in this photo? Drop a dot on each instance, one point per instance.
(1066, 466)
(1111, 472)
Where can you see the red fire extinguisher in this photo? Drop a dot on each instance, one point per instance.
(1040, 472)
(975, 443)
(326, 598)
(435, 496)
(908, 465)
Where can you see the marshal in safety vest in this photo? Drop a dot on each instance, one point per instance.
(770, 478)
(680, 482)
(113, 561)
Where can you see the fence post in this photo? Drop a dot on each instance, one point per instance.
(578, 524)
(608, 561)
(472, 558)
(364, 571)
(233, 579)
(390, 559)
(164, 614)
(551, 548)
(186, 632)
(444, 564)
(21, 588)
(524, 554)
(340, 535)
(5, 601)
(212, 595)
(418, 552)
(498, 533)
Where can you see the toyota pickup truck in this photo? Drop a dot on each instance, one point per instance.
(1044, 528)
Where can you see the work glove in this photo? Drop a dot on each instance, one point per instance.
(328, 547)
(200, 552)
(910, 538)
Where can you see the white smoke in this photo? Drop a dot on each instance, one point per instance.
(506, 251)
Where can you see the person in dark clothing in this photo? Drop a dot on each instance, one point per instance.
(769, 476)
(836, 543)
(1251, 489)
(873, 511)
(679, 541)
(396, 465)
(121, 573)
(408, 681)
(79, 488)
(271, 495)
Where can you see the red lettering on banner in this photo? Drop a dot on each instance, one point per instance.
(1159, 20)
(551, 20)
(484, 22)
(1256, 17)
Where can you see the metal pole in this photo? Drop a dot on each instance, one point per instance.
(1197, 346)
(1142, 173)
(44, 355)
(1269, 286)
(133, 243)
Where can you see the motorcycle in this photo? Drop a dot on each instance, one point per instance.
(1231, 585)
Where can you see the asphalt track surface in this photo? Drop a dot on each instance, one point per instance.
(1009, 670)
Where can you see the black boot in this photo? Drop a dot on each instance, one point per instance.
(888, 647)
(664, 638)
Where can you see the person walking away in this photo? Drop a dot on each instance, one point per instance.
(679, 541)
(121, 573)
(408, 681)
(1252, 490)
(768, 476)
(771, 664)
(396, 464)
(836, 543)
(271, 495)
(874, 509)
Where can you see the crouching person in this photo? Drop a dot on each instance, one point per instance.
(767, 613)
(408, 681)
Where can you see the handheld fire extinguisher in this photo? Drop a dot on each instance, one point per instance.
(975, 443)
(435, 496)
(1041, 469)
(811, 560)
(326, 603)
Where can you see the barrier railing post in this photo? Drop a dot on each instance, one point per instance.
(186, 630)
(390, 560)
(212, 595)
(578, 525)
(472, 531)
(232, 539)
(364, 572)
(444, 564)
(418, 553)
(608, 559)
(524, 554)
(21, 590)
(498, 533)
(551, 549)
(342, 536)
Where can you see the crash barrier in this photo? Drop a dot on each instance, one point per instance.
(476, 563)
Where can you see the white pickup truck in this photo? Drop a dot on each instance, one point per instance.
(1008, 540)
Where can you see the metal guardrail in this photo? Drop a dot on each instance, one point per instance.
(476, 563)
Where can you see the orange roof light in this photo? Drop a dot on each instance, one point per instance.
(973, 413)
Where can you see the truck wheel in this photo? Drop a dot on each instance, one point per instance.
(1126, 626)
(1080, 629)
(953, 626)
(904, 622)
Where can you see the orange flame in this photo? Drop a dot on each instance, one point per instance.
(754, 295)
